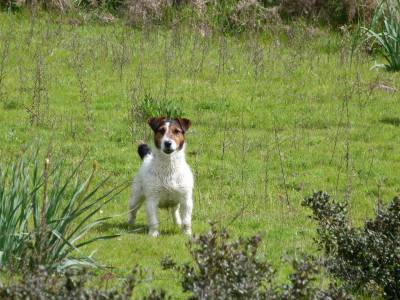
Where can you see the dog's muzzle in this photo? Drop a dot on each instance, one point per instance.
(168, 147)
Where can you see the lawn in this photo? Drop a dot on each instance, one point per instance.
(275, 116)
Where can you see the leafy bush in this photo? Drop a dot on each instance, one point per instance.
(227, 269)
(385, 32)
(366, 257)
(150, 107)
(46, 212)
(43, 285)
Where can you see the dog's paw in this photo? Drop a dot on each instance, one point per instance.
(131, 220)
(154, 233)
(187, 229)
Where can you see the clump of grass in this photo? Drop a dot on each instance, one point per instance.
(385, 32)
(150, 107)
(46, 212)
(367, 258)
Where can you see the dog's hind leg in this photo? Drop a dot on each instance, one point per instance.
(176, 215)
(135, 202)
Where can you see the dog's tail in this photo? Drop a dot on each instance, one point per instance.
(143, 150)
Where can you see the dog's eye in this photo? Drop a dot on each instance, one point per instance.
(161, 130)
(177, 131)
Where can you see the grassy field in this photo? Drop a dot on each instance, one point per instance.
(275, 117)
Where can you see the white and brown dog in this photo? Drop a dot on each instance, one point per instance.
(164, 179)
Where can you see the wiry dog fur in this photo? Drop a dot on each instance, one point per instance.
(164, 179)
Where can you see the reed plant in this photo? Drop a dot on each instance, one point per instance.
(46, 212)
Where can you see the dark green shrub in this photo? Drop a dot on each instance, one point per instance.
(306, 272)
(44, 285)
(225, 269)
(366, 258)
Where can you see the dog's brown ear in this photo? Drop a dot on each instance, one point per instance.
(155, 122)
(184, 123)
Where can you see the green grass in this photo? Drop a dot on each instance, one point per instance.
(272, 117)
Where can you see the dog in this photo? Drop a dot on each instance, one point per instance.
(164, 179)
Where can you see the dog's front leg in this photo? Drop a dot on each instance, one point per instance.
(186, 208)
(152, 221)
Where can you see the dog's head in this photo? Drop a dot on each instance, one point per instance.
(169, 134)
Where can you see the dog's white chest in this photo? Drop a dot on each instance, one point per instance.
(167, 185)
(170, 191)
(170, 183)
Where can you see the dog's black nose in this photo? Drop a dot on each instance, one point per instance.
(167, 144)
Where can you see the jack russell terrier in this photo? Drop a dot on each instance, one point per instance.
(164, 179)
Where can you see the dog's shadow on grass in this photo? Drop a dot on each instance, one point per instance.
(121, 227)
(124, 228)
(394, 121)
